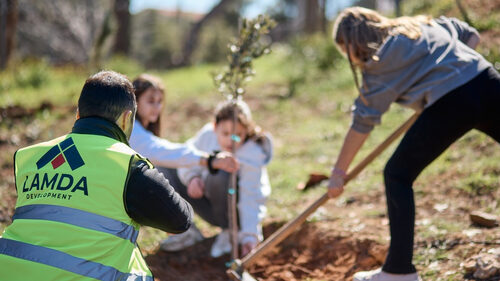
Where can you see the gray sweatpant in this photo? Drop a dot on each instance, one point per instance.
(212, 207)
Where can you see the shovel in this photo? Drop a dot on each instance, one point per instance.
(237, 271)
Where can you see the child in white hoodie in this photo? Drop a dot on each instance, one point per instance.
(206, 190)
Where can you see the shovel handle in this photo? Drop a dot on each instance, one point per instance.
(283, 232)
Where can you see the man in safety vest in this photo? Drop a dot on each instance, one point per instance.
(82, 197)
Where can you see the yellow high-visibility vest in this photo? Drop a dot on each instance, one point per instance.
(70, 221)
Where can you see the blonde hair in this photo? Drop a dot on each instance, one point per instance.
(359, 32)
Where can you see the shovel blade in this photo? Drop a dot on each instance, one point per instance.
(235, 276)
(245, 276)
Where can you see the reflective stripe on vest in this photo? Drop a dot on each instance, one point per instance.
(66, 262)
(88, 225)
(77, 218)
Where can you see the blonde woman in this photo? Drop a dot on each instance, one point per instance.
(425, 64)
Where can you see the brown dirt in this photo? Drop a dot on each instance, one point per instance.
(312, 251)
(327, 248)
(191, 264)
(344, 237)
(315, 251)
(19, 112)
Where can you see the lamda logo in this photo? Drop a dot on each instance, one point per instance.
(56, 158)
(59, 154)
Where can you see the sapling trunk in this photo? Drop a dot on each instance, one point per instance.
(242, 51)
(232, 195)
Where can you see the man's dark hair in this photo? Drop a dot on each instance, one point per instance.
(106, 94)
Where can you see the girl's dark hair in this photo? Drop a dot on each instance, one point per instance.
(106, 94)
(141, 84)
(226, 110)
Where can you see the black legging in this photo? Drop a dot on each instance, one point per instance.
(475, 105)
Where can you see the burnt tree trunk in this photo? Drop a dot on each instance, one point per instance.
(8, 23)
(464, 13)
(397, 4)
(122, 37)
(192, 39)
(324, 22)
(312, 16)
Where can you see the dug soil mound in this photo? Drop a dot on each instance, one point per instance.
(312, 251)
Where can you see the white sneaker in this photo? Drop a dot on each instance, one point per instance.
(177, 242)
(221, 245)
(379, 275)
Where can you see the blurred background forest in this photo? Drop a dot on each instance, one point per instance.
(90, 32)
(302, 93)
(94, 34)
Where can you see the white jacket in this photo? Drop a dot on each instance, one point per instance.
(162, 152)
(253, 181)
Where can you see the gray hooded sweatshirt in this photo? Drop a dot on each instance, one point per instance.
(253, 180)
(416, 73)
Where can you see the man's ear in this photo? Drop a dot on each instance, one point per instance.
(77, 114)
(126, 122)
(126, 117)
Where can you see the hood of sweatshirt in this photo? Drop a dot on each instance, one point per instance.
(257, 153)
(251, 152)
(395, 54)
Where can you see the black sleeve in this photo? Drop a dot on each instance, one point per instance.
(150, 200)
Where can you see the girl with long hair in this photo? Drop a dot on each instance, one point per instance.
(426, 64)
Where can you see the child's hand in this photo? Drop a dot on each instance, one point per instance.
(248, 243)
(195, 188)
(247, 248)
(226, 161)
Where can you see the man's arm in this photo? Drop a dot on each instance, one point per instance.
(150, 200)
